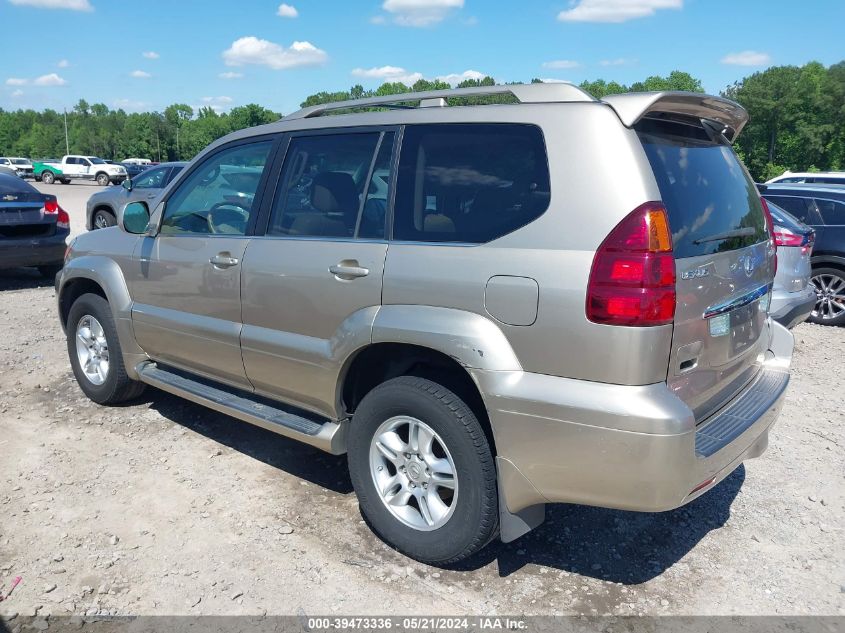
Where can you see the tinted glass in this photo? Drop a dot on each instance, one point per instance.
(832, 211)
(152, 179)
(786, 220)
(832, 180)
(10, 184)
(174, 171)
(218, 196)
(371, 225)
(469, 182)
(322, 185)
(96, 161)
(801, 208)
(706, 191)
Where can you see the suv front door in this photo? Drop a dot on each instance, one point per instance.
(186, 286)
(312, 284)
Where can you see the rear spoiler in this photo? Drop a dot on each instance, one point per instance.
(631, 108)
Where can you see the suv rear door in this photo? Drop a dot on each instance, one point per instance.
(312, 283)
(724, 261)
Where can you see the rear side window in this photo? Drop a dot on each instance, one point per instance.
(832, 211)
(713, 205)
(469, 183)
(801, 208)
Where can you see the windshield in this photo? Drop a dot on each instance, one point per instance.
(96, 161)
(713, 205)
(20, 161)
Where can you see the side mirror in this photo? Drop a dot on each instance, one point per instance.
(127, 184)
(136, 217)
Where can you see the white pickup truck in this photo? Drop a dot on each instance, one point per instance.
(73, 167)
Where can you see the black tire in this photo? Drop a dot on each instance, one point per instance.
(47, 177)
(50, 271)
(105, 218)
(836, 277)
(117, 387)
(65, 181)
(474, 522)
(103, 179)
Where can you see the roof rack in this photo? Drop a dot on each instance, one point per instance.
(524, 93)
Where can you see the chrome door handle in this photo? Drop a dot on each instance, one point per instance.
(343, 271)
(223, 261)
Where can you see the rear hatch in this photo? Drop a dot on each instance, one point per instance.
(724, 260)
(22, 212)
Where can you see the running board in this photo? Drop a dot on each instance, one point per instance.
(328, 436)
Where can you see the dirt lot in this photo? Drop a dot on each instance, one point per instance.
(163, 507)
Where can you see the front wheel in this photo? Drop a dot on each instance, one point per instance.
(94, 351)
(103, 180)
(103, 219)
(423, 471)
(830, 296)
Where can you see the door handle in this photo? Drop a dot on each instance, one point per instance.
(224, 260)
(348, 270)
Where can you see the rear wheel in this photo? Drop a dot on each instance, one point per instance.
(103, 219)
(103, 179)
(47, 178)
(423, 471)
(95, 354)
(830, 296)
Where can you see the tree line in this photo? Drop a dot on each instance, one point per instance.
(797, 119)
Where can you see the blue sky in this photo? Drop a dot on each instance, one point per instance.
(147, 54)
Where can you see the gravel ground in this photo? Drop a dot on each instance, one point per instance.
(164, 507)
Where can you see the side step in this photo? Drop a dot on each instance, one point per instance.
(328, 435)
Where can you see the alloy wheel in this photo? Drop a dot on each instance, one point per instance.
(830, 296)
(92, 349)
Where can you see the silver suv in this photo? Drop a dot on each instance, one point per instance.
(488, 308)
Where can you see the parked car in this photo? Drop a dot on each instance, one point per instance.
(821, 207)
(8, 171)
(33, 227)
(793, 296)
(134, 170)
(22, 166)
(102, 208)
(79, 168)
(494, 330)
(818, 177)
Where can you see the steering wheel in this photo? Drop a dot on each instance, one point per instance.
(231, 214)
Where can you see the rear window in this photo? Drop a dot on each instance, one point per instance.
(469, 183)
(713, 205)
(13, 185)
(786, 220)
(801, 208)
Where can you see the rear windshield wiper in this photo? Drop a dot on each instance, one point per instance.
(743, 232)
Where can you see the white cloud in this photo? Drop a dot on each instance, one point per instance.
(17, 93)
(218, 104)
(388, 73)
(619, 61)
(251, 50)
(151, 55)
(63, 63)
(230, 75)
(73, 5)
(420, 12)
(747, 58)
(140, 74)
(456, 78)
(130, 105)
(554, 80)
(287, 11)
(16, 81)
(217, 99)
(51, 79)
(615, 10)
(378, 19)
(561, 64)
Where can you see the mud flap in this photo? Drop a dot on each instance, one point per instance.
(513, 525)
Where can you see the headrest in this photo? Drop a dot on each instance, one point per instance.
(333, 192)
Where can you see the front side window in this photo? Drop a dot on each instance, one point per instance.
(218, 196)
(324, 185)
(152, 179)
(469, 183)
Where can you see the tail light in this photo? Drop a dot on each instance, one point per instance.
(632, 281)
(770, 228)
(51, 207)
(786, 237)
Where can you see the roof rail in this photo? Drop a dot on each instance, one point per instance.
(525, 93)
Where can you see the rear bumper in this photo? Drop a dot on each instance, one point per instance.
(791, 308)
(627, 447)
(39, 251)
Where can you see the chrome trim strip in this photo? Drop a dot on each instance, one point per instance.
(738, 302)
